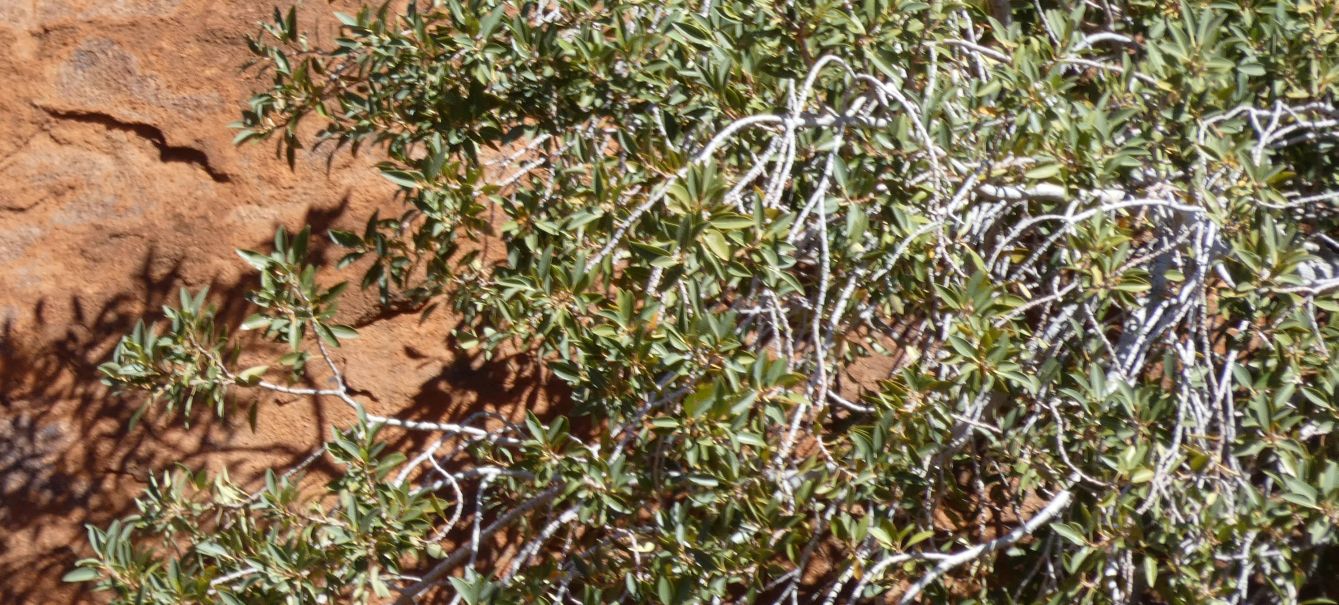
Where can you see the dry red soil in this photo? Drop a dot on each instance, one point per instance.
(119, 184)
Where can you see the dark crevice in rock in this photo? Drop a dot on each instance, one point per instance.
(148, 132)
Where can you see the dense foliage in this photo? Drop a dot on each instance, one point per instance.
(865, 299)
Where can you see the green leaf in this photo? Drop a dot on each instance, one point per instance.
(326, 334)
(919, 537)
(343, 332)
(255, 321)
(1042, 172)
(255, 259)
(716, 244)
(212, 549)
(1071, 532)
(347, 239)
(251, 375)
(488, 23)
(80, 574)
(730, 222)
(469, 590)
(404, 178)
(135, 417)
(883, 536)
(700, 400)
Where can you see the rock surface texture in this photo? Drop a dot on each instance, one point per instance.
(119, 184)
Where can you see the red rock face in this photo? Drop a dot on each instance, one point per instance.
(119, 183)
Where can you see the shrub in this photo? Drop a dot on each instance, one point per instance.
(1095, 249)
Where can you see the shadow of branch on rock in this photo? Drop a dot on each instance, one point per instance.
(67, 457)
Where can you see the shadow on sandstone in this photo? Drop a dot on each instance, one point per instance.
(67, 458)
